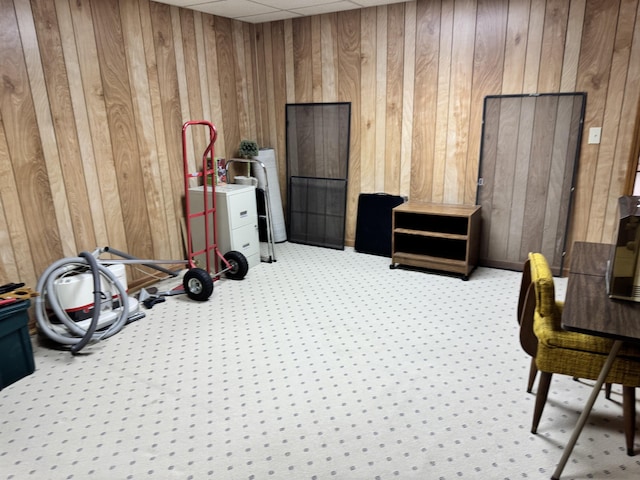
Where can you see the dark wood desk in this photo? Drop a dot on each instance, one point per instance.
(588, 309)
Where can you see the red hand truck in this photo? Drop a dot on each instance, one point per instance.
(198, 282)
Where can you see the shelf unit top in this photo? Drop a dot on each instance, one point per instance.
(437, 208)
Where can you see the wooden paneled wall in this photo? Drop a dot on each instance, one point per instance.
(93, 100)
(95, 92)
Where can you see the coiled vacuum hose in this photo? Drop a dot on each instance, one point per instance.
(77, 336)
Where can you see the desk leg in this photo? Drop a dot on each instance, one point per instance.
(606, 368)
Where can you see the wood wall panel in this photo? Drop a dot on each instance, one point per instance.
(64, 128)
(502, 191)
(44, 123)
(613, 119)
(280, 98)
(521, 173)
(202, 58)
(572, 46)
(16, 254)
(302, 60)
(539, 175)
(81, 121)
(394, 96)
(155, 123)
(29, 197)
(11, 221)
(462, 53)
(181, 77)
(170, 111)
(96, 92)
(368, 106)
(489, 159)
(92, 91)
(487, 78)
(214, 93)
(190, 82)
(380, 125)
(261, 92)
(552, 238)
(593, 76)
(553, 45)
(515, 51)
(244, 70)
(329, 63)
(348, 90)
(533, 60)
(569, 174)
(628, 134)
(317, 60)
(289, 61)
(143, 112)
(121, 124)
(440, 103)
(428, 19)
(408, 92)
(227, 80)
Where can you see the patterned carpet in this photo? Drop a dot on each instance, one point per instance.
(323, 365)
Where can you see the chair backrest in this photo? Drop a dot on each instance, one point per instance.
(542, 280)
(526, 310)
(525, 283)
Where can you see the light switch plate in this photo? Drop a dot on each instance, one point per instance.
(594, 135)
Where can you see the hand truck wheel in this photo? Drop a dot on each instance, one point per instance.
(198, 284)
(238, 265)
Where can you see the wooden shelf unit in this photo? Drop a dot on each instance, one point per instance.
(436, 236)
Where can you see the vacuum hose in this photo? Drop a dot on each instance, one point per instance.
(75, 335)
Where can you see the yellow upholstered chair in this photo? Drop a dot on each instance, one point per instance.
(555, 350)
(528, 340)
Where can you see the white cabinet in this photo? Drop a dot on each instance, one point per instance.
(236, 221)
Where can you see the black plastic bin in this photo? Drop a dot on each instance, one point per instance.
(16, 354)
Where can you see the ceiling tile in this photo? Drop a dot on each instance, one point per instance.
(270, 17)
(326, 8)
(375, 3)
(233, 8)
(294, 4)
(183, 3)
(259, 11)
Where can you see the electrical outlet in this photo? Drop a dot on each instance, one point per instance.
(594, 135)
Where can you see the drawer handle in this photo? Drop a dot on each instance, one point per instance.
(243, 213)
(246, 245)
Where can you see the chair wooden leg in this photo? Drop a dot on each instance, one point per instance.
(533, 370)
(541, 399)
(629, 416)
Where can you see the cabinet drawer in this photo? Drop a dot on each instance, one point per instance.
(245, 240)
(242, 209)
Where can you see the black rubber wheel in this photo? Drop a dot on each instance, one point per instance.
(198, 284)
(239, 265)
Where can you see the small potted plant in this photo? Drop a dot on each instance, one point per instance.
(248, 149)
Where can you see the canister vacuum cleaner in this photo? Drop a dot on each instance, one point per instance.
(84, 299)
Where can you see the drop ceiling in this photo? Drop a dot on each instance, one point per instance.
(258, 11)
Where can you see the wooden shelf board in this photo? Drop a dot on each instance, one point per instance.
(427, 261)
(427, 233)
(445, 210)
